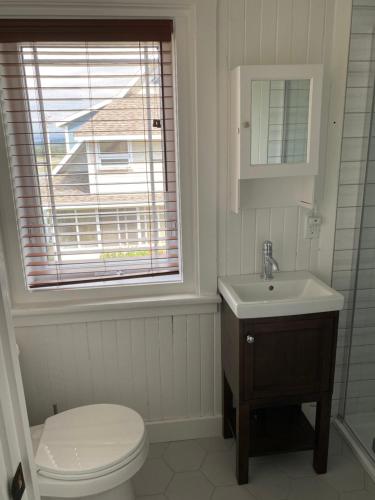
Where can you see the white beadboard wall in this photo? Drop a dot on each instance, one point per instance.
(284, 226)
(265, 32)
(354, 155)
(164, 367)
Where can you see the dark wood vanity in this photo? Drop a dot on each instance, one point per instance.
(270, 367)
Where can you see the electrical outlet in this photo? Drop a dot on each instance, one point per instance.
(312, 226)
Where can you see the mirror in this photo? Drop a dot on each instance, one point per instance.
(279, 121)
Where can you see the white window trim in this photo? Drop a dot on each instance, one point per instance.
(195, 27)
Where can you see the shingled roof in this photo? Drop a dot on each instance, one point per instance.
(123, 115)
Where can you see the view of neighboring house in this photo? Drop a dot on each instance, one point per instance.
(110, 176)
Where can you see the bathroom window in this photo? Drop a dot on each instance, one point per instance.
(91, 140)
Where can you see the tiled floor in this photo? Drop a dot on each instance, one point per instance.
(203, 469)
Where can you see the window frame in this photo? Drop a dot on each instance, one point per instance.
(195, 97)
(98, 274)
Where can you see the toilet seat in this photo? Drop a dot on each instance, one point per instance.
(95, 474)
(89, 442)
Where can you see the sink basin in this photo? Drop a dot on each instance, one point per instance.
(289, 293)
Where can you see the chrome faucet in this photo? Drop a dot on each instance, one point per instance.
(269, 264)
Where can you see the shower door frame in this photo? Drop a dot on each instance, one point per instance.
(341, 423)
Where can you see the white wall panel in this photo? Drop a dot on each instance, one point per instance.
(206, 327)
(95, 350)
(165, 368)
(139, 366)
(180, 365)
(194, 368)
(264, 32)
(284, 226)
(152, 368)
(125, 366)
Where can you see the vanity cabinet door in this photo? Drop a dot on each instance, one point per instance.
(287, 356)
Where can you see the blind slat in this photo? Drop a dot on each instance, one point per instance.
(101, 263)
(75, 281)
(92, 251)
(84, 272)
(48, 206)
(82, 244)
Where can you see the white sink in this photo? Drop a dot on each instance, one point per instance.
(289, 293)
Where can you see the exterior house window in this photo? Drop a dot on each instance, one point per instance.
(114, 155)
(91, 137)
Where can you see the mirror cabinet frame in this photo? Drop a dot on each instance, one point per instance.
(241, 126)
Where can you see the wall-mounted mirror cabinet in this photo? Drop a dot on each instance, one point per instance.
(275, 122)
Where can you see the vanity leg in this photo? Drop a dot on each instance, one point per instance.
(242, 442)
(322, 425)
(227, 399)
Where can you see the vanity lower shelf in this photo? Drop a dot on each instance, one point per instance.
(277, 430)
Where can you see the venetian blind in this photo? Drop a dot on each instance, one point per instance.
(89, 118)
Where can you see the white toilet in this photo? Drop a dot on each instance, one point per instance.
(92, 451)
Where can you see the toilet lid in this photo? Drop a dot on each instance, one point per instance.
(89, 439)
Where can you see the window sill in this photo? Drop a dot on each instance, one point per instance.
(116, 309)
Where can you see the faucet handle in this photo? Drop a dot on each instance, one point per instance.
(267, 246)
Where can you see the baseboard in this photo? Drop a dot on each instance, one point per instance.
(189, 428)
(356, 448)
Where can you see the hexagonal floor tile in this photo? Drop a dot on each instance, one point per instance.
(156, 450)
(335, 442)
(220, 468)
(295, 465)
(311, 488)
(188, 486)
(232, 493)
(357, 495)
(344, 473)
(266, 482)
(183, 456)
(153, 478)
(216, 443)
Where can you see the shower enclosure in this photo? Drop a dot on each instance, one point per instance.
(354, 257)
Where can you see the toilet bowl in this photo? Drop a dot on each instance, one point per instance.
(91, 451)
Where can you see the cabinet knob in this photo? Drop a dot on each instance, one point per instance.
(250, 339)
(246, 124)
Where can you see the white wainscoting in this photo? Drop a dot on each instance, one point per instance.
(167, 368)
